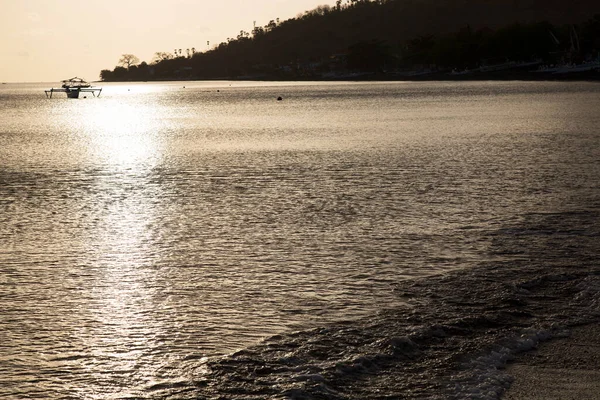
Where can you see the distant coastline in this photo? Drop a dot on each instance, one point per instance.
(393, 40)
(591, 75)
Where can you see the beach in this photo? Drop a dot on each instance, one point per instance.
(564, 368)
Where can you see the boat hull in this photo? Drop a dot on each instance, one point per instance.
(73, 93)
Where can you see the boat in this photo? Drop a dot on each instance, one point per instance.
(73, 87)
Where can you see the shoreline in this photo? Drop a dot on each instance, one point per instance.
(513, 75)
(561, 368)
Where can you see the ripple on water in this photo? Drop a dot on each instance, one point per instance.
(141, 234)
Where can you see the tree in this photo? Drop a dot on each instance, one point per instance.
(127, 60)
(160, 56)
(258, 31)
(368, 56)
(120, 74)
(106, 75)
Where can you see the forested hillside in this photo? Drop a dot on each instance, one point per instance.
(388, 36)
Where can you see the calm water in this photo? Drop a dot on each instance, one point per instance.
(148, 234)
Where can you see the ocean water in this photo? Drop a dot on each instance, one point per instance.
(388, 240)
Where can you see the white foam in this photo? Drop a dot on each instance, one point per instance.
(485, 377)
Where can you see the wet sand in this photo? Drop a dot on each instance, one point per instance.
(566, 368)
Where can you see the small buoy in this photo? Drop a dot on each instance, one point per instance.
(279, 98)
(184, 87)
(218, 90)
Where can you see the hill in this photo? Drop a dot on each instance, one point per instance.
(391, 35)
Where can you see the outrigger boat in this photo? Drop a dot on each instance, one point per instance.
(72, 87)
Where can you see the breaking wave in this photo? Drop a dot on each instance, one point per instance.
(451, 339)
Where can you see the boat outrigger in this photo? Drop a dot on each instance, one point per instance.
(72, 87)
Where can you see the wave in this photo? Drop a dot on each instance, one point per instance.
(451, 338)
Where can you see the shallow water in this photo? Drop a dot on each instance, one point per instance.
(147, 234)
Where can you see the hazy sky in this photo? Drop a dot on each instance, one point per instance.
(50, 40)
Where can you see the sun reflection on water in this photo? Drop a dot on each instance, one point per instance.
(122, 139)
(123, 134)
(126, 335)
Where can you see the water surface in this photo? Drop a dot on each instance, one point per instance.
(162, 226)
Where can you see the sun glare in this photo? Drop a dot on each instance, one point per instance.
(122, 134)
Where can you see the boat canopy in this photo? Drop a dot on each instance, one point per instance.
(75, 82)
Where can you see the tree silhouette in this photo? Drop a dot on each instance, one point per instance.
(106, 75)
(368, 56)
(127, 60)
(160, 56)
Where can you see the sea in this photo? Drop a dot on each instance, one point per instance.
(352, 240)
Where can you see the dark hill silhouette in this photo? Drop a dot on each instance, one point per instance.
(443, 16)
(371, 36)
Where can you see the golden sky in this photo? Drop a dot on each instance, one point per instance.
(51, 40)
